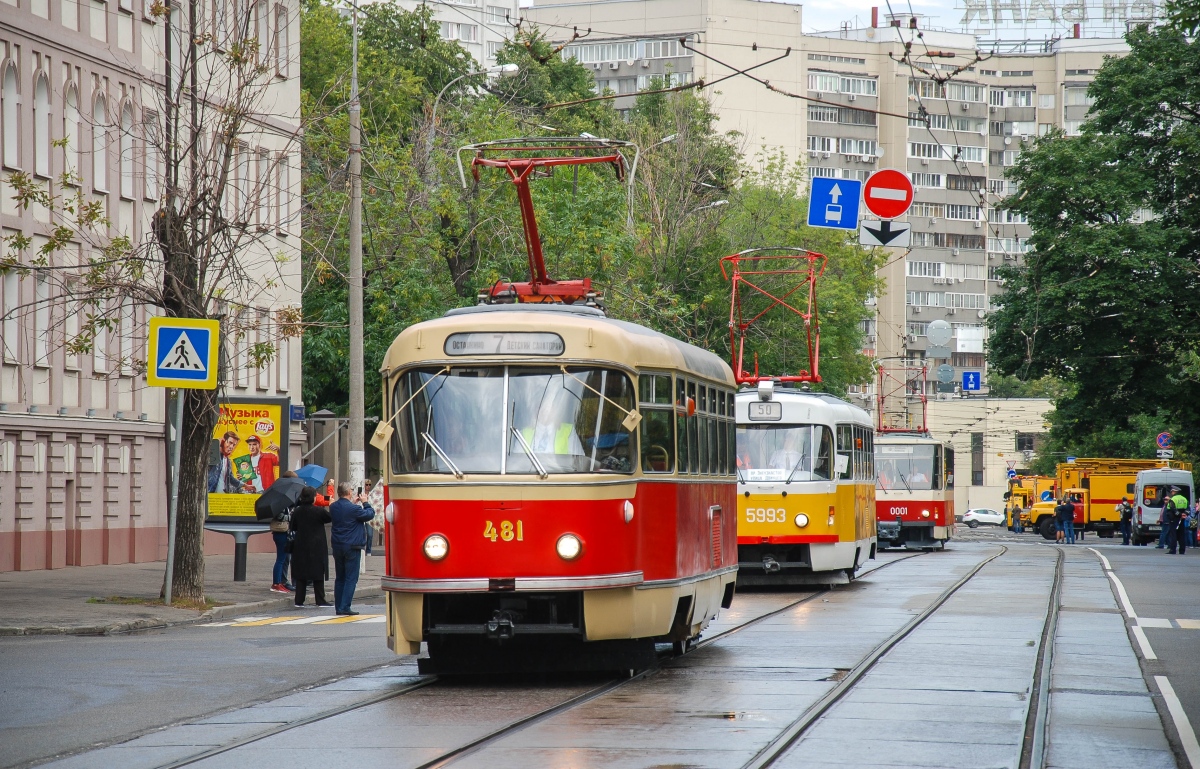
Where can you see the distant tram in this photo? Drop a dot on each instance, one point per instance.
(914, 492)
(805, 487)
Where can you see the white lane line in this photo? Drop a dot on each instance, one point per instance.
(1187, 735)
(1129, 612)
(1102, 558)
(369, 620)
(1147, 649)
(1153, 622)
(234, 622)
(1188, 624)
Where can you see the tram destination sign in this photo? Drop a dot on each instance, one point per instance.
(505, 343)
(765, 411)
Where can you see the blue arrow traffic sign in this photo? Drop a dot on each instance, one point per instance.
(970, 382)
(1047, 495)
(1012, 474)
(182, 352)
(834, 203)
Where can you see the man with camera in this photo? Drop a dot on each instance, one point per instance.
(350, 513)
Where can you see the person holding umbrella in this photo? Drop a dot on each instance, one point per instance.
(310, 556)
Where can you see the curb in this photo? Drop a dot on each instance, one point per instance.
(157, 623)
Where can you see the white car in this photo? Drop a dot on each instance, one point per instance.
(974, 518)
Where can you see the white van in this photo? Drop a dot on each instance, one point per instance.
(1152, 487)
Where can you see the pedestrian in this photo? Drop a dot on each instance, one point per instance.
(1062, 511)
(310, 556)
(1125, 510)
(1167, 511)
(349, 537)
(1177, 539)
(1017, 522)
(280, 533)
(1069, 522)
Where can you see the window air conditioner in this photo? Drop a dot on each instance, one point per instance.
(613, 65)
(965, 106)
(939, 280)
(978, 224)
(1010, 258)
(868, 158)
(852, 97)
(825, 154)
(932, 222)
(912, 338)
(597, 65)
(924, 161)
(961, 280)
(812, 153)
(992, 109)
(645, 64)
(951, 311)
(954, 252)
(916, 309)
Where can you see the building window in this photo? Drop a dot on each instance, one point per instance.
(966, 301)
(41, 128)
(964, 183)
(823, 172)
(961, 212)
(262, 32)
(284, 192)
(926, 180)
(41, 321)
(242, 343)
(966, 360)
(12, 306)
(125, 331)
(99, 147)
(9, 107)
(1022, 98)
(498, 14)
(1046, 101)
(282, 41)
(1026, 441)
(976, 459)
(262, 336)
(925, 269)
(282, 354)
(857, 147)
(127, 179)
(100, 350)
(153, 155)
(71, 325)
(72, 133)
(821, 113)
(820, 143)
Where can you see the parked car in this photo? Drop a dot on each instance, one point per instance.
(978, 516)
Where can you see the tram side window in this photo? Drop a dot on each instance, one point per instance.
(701, 423)
(823, 467)
(949, 468)
(845, 447)
(714, 453)
(681, 422)
(695, 466)
(658, 424)
(864, 454)
(937, 467)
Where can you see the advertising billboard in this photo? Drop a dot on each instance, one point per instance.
(249, 451)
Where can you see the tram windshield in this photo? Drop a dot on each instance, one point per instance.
(513, 419)
(907, 468)
(780, 452)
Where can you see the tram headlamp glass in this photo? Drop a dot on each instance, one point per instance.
(568, 547)
(436, 547)
(801, 520)
(924, 513)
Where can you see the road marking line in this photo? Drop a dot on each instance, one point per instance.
(1107, 565)
(231, 622)
(1147, 649)
(1153, 622)
(268, 621)
(1189, 624)
(375, 618)
(305, 620)
(340, 620)
(1129, 612)
(1187, 735)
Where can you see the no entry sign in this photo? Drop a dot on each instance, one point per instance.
(888, 194)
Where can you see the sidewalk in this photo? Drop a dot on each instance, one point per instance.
(57, 601)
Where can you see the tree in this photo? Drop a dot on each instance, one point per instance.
(1109, 292)
(208, 251)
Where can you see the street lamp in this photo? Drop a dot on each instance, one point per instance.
(499, 71)
(633, 175)
(714, 204)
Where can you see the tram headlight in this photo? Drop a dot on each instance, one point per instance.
(801, 520)
(436, 547)
(924, 513)
(568, 547)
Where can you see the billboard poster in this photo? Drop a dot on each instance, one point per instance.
(250, 443)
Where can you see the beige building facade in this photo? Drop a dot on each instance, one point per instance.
(82, 449)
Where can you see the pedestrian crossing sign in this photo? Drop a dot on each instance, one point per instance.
(183, 353)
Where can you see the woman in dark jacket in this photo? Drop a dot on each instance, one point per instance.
(310, 556)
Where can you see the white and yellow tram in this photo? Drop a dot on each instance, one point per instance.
(806, 487)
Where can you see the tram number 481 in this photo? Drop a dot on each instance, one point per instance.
(507, 531)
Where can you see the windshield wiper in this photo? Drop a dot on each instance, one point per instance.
(442, 455)
(541, 471)
(794, 469)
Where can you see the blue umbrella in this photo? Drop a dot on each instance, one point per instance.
(313, 475)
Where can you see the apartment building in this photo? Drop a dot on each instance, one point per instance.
(82, 454)
(480, 26)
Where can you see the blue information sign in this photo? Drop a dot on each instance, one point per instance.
(834, 203)
(1012, 474)
(971, 380)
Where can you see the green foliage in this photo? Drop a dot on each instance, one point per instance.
(430, 244)
(1008, 386)
(1107, 298)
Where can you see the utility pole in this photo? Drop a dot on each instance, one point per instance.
(357, 455)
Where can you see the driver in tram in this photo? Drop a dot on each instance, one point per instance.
(554, 432)
(790, 455)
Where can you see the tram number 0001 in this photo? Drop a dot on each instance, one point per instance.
(508, 531)
(766, 515)
(899, 510)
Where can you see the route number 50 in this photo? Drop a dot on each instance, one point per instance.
(506, 532)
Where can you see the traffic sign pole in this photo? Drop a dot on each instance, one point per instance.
(173, 509)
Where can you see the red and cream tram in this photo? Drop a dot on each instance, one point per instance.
(914, 491)
(533, 520)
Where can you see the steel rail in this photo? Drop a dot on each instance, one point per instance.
(502, 732)
(1033, 751)
(790, 734)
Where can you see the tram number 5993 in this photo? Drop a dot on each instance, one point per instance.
(766, 515)
(508, 531)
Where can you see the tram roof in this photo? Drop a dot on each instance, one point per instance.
(840, 408)
(586, 331)
(913, 437)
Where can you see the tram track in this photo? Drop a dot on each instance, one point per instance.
(509, 729)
